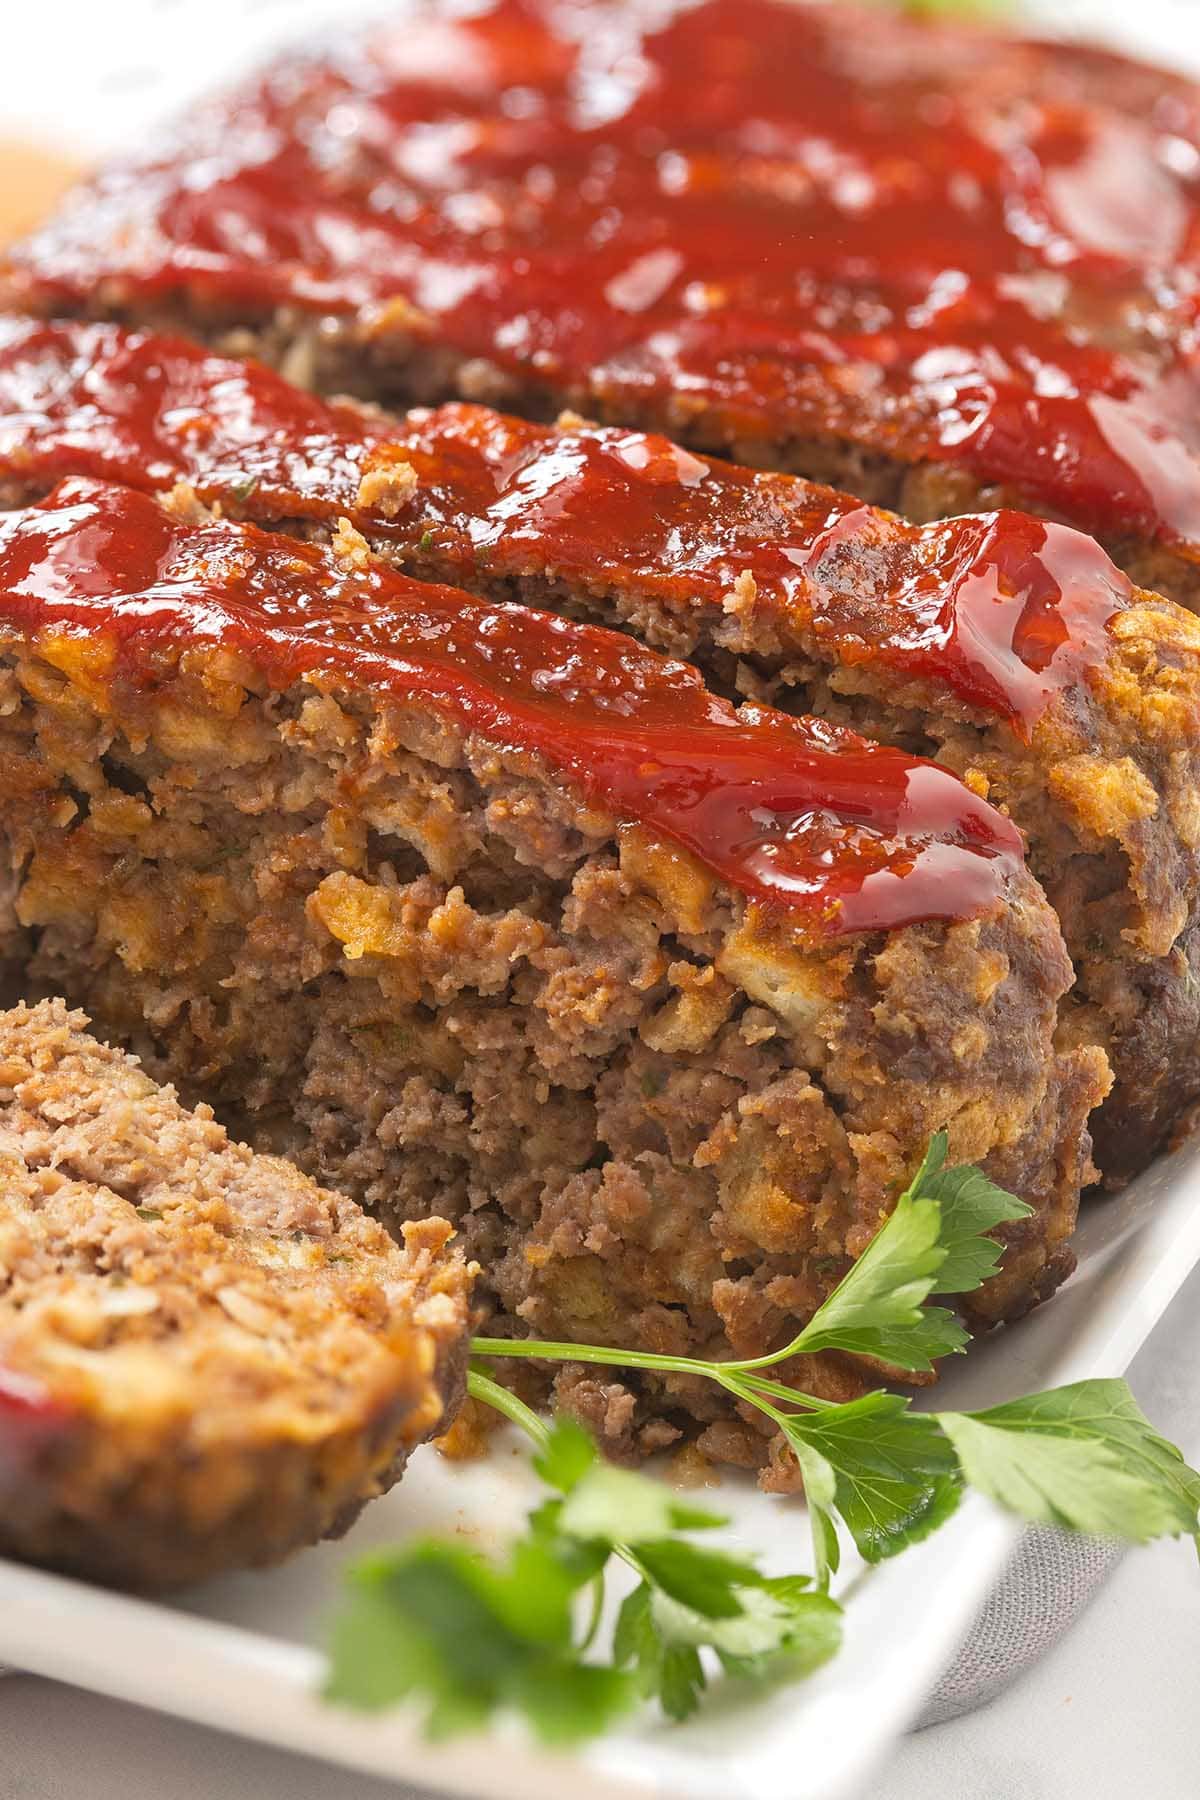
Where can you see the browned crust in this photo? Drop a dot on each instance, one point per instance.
(233, 1360)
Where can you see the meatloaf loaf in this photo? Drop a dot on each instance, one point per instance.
(1009, 648)
(482, 912)
(936, 266)
(206, 1361)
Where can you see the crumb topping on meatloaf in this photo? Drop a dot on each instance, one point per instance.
(208, 1361)
(423, 959)
(996, 293)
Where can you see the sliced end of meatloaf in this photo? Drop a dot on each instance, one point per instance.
(1007, 647)
(995, 305)
(206, 1361)
(484, 913)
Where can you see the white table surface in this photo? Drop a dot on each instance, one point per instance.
(1112, 1714)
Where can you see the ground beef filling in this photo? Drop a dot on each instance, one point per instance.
(424, 968)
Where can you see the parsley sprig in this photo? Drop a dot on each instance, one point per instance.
(472, 1637)
(889, 1474)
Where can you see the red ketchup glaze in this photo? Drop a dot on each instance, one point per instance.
(30, 1418)
(1002, 609)
(759, 220)
(842, 835)
(147, 410)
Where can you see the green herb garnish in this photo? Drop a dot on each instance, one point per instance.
(470, 1637)
(982, 10)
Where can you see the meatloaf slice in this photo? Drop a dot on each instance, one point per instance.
(486, 913)
(206, 1361)
(938, 267)
(1007, 647)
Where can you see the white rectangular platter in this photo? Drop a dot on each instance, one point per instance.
(243, 1653)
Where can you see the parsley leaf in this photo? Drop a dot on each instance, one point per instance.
(668, 1672)
(933, 1242)
(895, 1474)
(618, 1507)
(438, 1621)
(782, 1619)
(971, 1207)
(878, 1309)
(470, 1637)
(566, 1456)
(705, 1582)
(780, 1628)
(937, 9)
(820, 1495)
(1084, 1456)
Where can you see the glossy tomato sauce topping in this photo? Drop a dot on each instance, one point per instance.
(30, 1418)
(801, 816)
(751, 221)
(1001, 609)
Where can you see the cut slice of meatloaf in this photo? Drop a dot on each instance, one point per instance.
(482, 912)
(939, 267)
(206, 1361)
(1007, 647)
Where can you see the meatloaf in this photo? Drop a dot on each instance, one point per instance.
(206, 1361)
(485, 913)
(1008, 648)
(939, 267)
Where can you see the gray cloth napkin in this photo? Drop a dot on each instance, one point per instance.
(1049, 1581)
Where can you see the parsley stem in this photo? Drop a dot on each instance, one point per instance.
(752, 1390)
(815, 1520)
(597, 1612)
(480, 1386)
(738, 1378)
(595, 1353)
(750, 1364)
(550, 1351)
(751, 1385)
